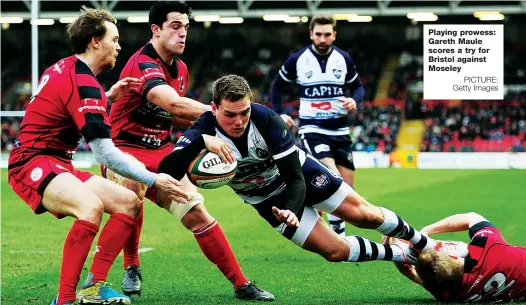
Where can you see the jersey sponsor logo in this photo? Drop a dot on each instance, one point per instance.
(58, 67)
(36, 174)
(154, 74)
(322, 105)
(97, 108)
(482, 232)
(320, 180)
(337, 73)
(322, 91)
(181, 83)
(91, 104)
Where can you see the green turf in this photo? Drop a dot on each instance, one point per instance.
(176, 272)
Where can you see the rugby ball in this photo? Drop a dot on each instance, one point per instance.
(208, 171)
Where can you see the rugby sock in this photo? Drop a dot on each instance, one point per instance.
(111, 240)
(394, 226)
(215, 246)
(131, 247)
(363, 250)
(76, 249)
(337, 225)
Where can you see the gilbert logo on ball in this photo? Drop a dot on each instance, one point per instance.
(208, 171)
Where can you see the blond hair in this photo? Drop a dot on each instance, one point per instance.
(440, 273)
(89, 24)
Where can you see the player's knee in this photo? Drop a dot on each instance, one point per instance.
(364, 214)
(91, 210)
(196, 218)
(131, 203)
(336, 255)
(138, 188)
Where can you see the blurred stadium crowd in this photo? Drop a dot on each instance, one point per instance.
(389, 61)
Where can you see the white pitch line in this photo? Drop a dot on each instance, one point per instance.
(141, 250)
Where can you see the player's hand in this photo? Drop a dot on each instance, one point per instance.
(166, 183)
(123, 86)
(219, 146)
(288, 120)
(287, 217)
(348, 103)
(386, 240)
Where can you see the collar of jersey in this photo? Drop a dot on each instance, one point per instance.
(149, 50)
(319, 56)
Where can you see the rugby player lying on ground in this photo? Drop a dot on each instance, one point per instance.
(491, 270)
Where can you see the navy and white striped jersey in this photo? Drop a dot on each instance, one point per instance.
(265, 140)
(321, 80)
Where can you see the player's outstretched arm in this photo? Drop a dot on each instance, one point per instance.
(176, 163)
(291, 173)
(168, 99)
(122, 87)
(110, 156)
(454, 223)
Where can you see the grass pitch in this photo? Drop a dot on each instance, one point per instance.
(176, 272)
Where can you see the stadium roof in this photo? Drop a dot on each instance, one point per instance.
(122, 9)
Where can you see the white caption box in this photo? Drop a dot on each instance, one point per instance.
(464, 62)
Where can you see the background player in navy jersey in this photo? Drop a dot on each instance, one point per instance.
(70, 103)
(491, 271)
(283, 183)
(141, 125)
(323, 74)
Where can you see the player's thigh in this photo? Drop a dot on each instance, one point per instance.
(67, 195)
(342, 149)
(325, 189)
(114, 197)
(355, 210)
(346, 173)
(312, 234)
(324, 241)
(137, 187)
(330, 163)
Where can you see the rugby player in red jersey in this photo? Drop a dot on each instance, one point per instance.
(142, 127)
(492, 271)
(70, 103)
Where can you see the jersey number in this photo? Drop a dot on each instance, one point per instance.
(43, 82)
(496, 285)
(322, 105)
(151, 139)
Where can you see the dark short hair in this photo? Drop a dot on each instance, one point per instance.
(322, 20)
(89, 24)
(232, 88)
(160, 10)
